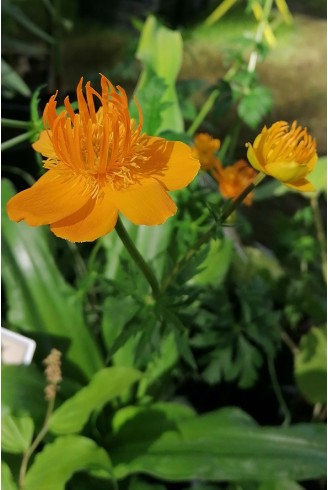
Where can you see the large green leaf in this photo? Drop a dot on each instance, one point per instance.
(22, 391)
(160, 50)
(222, 445)
(39, 299)
(7, 480)
(107, 384)
(58, 461)
(311, 366)
(16, 433)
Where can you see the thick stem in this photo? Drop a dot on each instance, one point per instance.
(137, 257)
(35, 443)
(232, 205)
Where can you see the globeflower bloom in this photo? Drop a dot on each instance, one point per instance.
(99, 163)
(234, 179)
(205, 148)
(286, 153)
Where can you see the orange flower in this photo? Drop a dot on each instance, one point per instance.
(205, 149)
(234, 179)
(99, 163)
(286, 153)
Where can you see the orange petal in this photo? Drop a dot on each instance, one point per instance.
(253, 159)
(95, 219)
(53, 197)
(178, 164)
(146, 203)
(44, 145)
(301, 185)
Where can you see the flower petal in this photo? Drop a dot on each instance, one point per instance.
(302, 185)
(253, 159)
(178, 166)
(95, 219)
(146, 203)
(286, 171)
(44, 145)
(51, 198)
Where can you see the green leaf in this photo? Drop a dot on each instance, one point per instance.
(225, 445)
(12, 81)
(160, 50)
(156, 418)
(56, 464)
(318, 176)
(39, 299)
(216, 264)
(311, 366)
(159, 364)
(16, 433)
(254, 106)
(7, 480)
(280, 485)
(106, 385)
(23, 391)
(152, 105)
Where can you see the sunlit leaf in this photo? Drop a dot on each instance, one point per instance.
(218, 446)
(16, 433)
(106, 385)
(58, 461)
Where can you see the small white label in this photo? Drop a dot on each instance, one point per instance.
(15, 348)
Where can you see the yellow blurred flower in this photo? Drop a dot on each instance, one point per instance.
(234, 179)
(99, 163)
(205, 148)
(286, 153)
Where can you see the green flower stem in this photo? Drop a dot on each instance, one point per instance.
(35, 443)
(137, 257)
(232, 205)
(13, 123)
(18, 139)
(207, 106)
(278, 392)
(320, 234)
